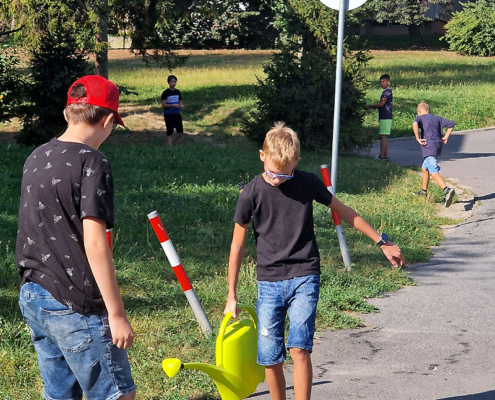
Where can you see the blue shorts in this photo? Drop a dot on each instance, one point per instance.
(430, 164)
(298, 297)
(75, 352)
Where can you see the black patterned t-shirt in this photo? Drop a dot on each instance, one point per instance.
(62, 183)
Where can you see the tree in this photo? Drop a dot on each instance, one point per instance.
(406, 12)
(300, 84)
(472, 30)
(12, 84)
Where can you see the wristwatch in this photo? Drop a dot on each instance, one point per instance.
(383, 239)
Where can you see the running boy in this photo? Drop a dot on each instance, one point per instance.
(69, 294)
(431, 142)
(384, 115)
(280, 204)
(172, 104)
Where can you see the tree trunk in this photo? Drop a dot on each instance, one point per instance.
(415, 37)
(101, 62)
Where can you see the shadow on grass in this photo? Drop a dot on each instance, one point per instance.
(436, 74)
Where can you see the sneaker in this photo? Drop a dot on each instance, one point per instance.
(382, 158)
(420, 193)
(449, 195)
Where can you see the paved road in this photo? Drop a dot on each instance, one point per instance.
(435, 340)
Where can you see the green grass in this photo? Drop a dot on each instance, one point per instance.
(194, 188)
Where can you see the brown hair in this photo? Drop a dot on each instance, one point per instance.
(423, 105)
(78, 113)
(282, 145)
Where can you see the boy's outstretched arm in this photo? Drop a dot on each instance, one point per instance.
(100, 261)
(422, 142)
(391, 250)
(380, 104)
(235, 261)
(446, 136)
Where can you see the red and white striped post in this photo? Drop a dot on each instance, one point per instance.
(179, 271)
(110, 239)
(336, 220)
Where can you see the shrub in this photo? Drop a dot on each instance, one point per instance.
(472, 30)
(300, 84)
(54, 65)
(12, 84)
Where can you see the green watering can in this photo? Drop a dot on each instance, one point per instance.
(236, 374)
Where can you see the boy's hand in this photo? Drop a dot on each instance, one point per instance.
(393, 253)
(367, 107)
(231, 306)
(445, 140)
(422, 142)
(122, 334)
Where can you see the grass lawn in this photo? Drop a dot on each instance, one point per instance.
(194, 188)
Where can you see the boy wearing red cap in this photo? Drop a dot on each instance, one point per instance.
(69, 294)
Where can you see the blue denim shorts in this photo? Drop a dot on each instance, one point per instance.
(75, 352)
(298, 297)
(430, 164)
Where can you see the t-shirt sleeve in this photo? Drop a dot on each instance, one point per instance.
(97, 197)
(322, 194)
(164, 95)
(180, 95)
(386, 94)
(447, 123)
(244, 209)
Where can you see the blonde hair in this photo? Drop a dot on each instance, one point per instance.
(282, 145)
(423, 105)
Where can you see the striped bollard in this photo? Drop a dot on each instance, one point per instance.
(110, 239)
(336, 220)
(179, 271)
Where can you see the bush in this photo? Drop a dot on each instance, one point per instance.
(472, 30)
(300, 84)
(12, 85)
(54, 66)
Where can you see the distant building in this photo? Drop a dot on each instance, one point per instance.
(436, 26)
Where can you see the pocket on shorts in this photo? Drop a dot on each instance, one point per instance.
(69, 328)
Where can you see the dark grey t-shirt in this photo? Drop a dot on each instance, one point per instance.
(282, 219)
(431, 128)
(63, 183)
(385, 112)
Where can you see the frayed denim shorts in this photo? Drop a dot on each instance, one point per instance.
(75, 352)
(297, 297)
(430, 164)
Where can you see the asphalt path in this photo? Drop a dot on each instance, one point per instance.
(435, 340)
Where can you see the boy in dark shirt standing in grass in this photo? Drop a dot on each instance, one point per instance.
(172, 104)
(431, 142)
(385, 115)
(69, 294)
(279, 202)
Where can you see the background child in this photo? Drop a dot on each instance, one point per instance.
(385, 115)
(279, 202)
(69, 294)
(431, 142)
(172, 104)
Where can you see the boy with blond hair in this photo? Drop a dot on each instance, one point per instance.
(279, 202)
(431, 142)
(69, 294)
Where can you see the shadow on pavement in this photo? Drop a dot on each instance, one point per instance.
(287, 388)
(478, 396)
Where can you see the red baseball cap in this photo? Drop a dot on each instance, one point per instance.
(99, 92)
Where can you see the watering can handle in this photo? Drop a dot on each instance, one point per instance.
(223, 326)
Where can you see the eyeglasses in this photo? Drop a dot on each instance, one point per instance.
(273, 175)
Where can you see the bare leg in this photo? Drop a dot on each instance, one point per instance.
(128, 396)
(383, 146)
(439, 180)
(169, 140)
(179, 136)
(303, 373)
(426, 179)
(276, 381)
